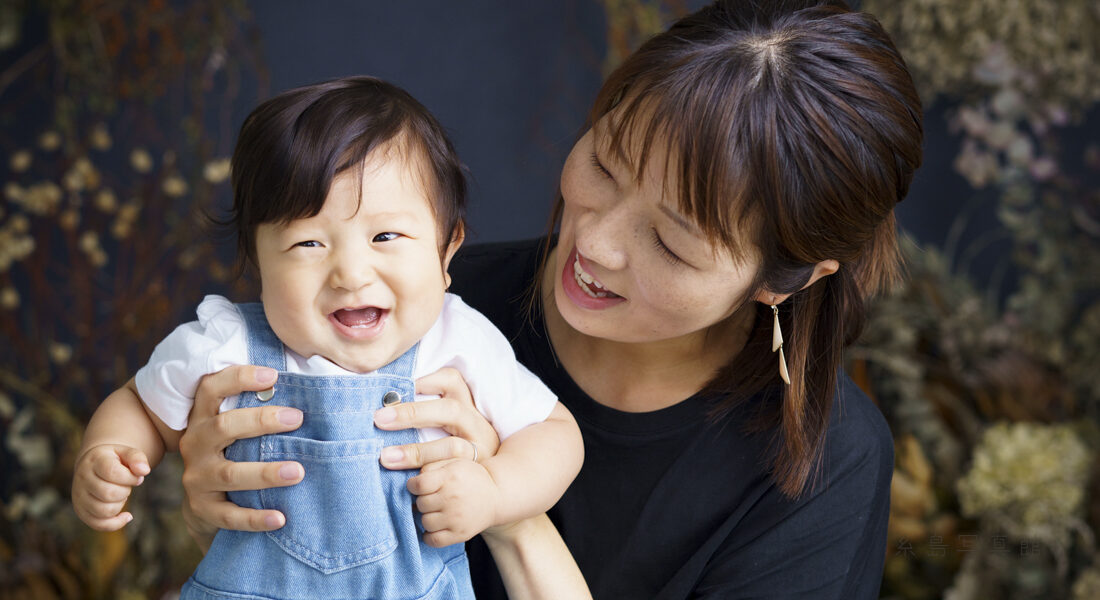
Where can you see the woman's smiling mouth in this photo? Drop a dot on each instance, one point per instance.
(584, 290)
(587, 282)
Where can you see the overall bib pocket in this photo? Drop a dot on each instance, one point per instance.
(338, 516)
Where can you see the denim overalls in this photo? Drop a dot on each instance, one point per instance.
(350, 532)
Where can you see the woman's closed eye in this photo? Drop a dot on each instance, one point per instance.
(667, 253)
(599, 166)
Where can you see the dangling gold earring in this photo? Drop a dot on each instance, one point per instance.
(777, 344)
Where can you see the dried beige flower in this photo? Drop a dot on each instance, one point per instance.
(1030, 477)
(9, 298)
(49, 141)
(120, 229)
(42, 198)
(141, 161)
(216, 171)
(106, 201)
(1087, 586)
(89, 242)
(60, 353)
(19, 223)
(174, 186)
(100, 137)
(14, 192)
(69, 219)
(20, 161)
(130, 210)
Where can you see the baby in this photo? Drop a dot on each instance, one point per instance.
(349, 200)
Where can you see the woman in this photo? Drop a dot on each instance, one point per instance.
(735, 188)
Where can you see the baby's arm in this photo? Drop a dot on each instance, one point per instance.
(122, 444)
(461, 498)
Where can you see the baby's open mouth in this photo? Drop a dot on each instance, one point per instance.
(358, 318)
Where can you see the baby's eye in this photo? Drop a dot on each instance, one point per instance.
(309, 244)
(389, 236)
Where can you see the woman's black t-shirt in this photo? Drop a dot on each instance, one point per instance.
(670, 504)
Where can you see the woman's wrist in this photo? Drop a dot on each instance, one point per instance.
(511, 534)
(534, 562)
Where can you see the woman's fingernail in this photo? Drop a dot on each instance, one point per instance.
(385, 415)
(129, 517)
(289, 416)
(273, 521)
(141, 480)
(392, 455)
(265, 375)
(289, 472)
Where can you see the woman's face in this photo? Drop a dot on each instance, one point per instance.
(629, 266)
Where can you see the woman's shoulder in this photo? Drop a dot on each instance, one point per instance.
(858, 449)
(493, 261)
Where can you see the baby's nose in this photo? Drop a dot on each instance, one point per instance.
(351, 271)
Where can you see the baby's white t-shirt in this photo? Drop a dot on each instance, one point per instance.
(509, 395)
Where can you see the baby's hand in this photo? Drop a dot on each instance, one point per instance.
(457, 499)
(102, 481)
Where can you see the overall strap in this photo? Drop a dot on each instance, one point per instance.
(264, 348)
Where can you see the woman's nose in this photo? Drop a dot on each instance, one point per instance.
(602, 236)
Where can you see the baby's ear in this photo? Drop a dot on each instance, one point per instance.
(457, 238)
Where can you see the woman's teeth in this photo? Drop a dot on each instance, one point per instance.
(584, 280)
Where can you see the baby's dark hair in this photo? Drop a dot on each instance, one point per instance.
(292, 146)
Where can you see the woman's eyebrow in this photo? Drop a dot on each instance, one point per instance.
(679, 219)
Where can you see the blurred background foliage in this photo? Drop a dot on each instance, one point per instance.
(989, 382)
(993, 391)
(100, 244)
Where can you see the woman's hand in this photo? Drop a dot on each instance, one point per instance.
(208, 475)
(454, 412)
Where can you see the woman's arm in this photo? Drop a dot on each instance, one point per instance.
(208, 475)
(534, 562)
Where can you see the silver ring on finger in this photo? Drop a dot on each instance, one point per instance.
(475, 449)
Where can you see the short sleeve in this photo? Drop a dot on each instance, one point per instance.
(509, 395)
(832, 542)
(167, 383)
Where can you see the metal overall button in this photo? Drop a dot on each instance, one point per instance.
(392, 397)
(265, 395)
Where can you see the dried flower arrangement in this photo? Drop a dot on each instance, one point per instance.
(994, 398)
(102, 207)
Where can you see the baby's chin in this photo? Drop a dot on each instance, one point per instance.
(366, 360)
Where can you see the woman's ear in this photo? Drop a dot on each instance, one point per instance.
(822, 269)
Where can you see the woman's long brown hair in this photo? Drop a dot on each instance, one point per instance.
(794, 128)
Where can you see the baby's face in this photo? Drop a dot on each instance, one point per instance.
(358, 287)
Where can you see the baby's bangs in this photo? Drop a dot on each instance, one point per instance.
(702, 154)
